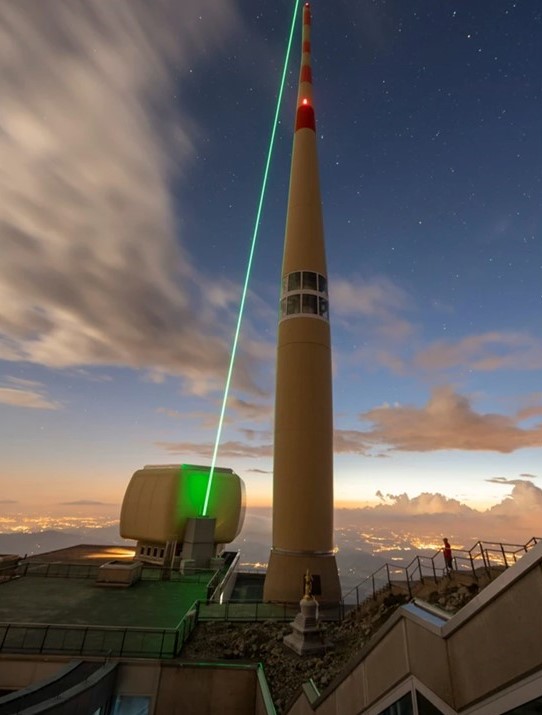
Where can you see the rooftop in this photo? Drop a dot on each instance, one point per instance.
(60, 588)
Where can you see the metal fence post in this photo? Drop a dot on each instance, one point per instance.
(472, 565)
(45, 632)
(408, 583)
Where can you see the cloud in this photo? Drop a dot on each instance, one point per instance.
(20, 392)
(8, 501)
(175, 414)
(377, 297)
(525, 501)
(529, 476)
(227, 449)
(499, 480)
(92, 272)
(250, 411)
(260, 471)
(425, 503)
(485, 353)
(84, 502)
(513, 520)
(528, 412)
(350, 442)
(446, 422)
(428, 516)
(253, 434)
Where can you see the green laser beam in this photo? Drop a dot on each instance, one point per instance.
(250, 259)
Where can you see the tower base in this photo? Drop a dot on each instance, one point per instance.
(284, 582)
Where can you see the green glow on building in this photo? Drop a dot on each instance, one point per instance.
(193, 490)
(249, 264)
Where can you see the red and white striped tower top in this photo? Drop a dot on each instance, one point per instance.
(305, 108)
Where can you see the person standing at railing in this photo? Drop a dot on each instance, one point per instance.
(447, 551)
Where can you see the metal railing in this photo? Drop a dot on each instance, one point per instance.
(485, 557)
(91, 640)
(54, 569)
(245, 611)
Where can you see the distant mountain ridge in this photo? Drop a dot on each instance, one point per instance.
(34, 543)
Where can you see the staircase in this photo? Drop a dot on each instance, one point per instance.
(479, 565)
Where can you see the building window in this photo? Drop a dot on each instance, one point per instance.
(294, 281)
(304, 292)
(161, 553)
(323, 308)
(293, 304)
(425, 707)
(401, 707)
(322, 284)
(155, 552)
(310, 280)
(310, 303)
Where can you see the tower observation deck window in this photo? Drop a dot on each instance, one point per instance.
(310, 303)
(310, 281)
(293, 304)
(294, 281)
(323, 308)
(304, 293)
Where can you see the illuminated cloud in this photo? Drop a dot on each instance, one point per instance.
(92, 272)
(377, 297)
(175, 414)
(250, 411)
(18, 392)
(258, 435)
(525, 501)
(485, 353)
(84, 502)
(528, 412)
(227, 449)
(425, 503)
(516, 517)
(446, 422)
(350, 442)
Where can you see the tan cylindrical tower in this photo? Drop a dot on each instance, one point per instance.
(303, 447)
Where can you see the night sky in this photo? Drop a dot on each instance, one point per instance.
(133, 138)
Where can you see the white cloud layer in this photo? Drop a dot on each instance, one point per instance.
(515, 519)
(91, 271)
